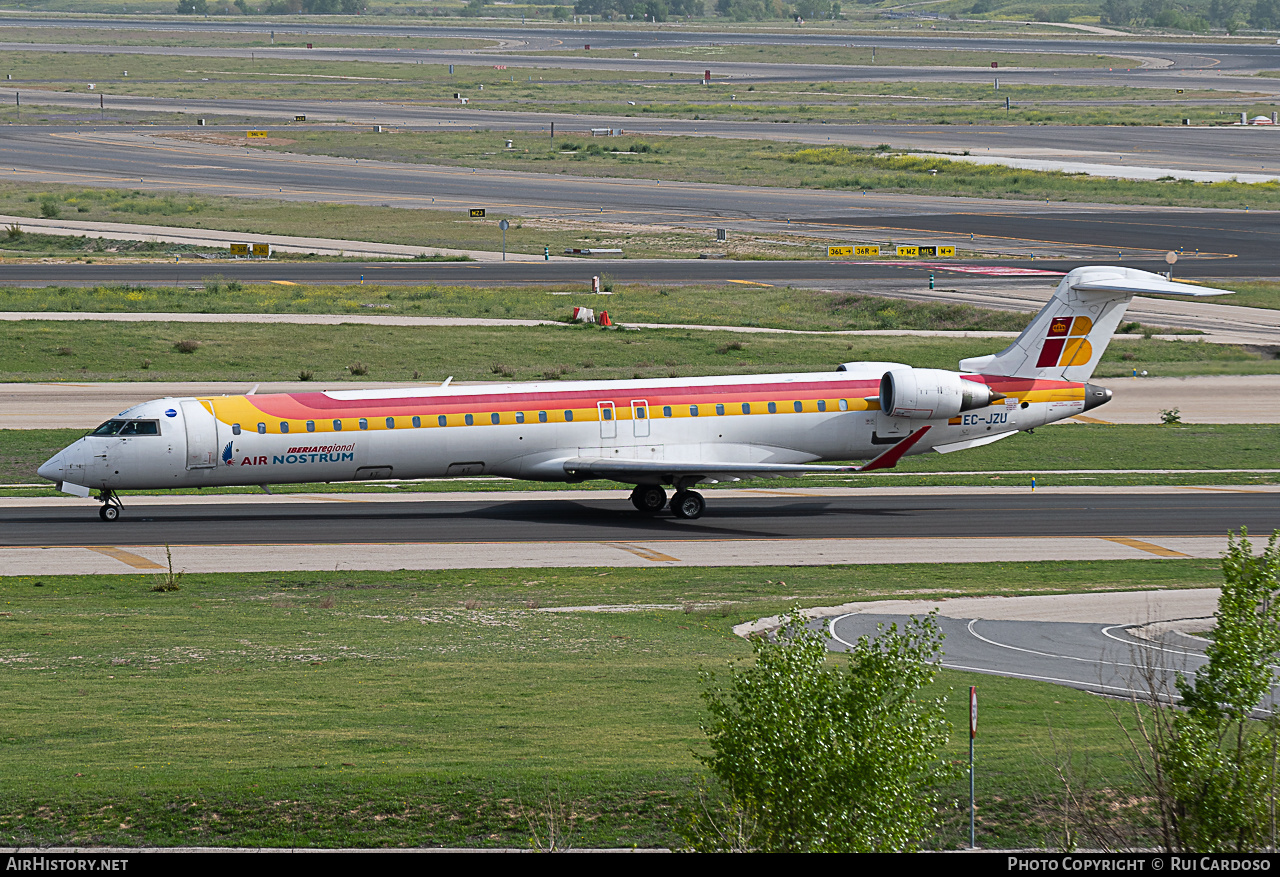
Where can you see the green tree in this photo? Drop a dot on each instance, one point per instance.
(1219, 761)
(811, 757)
(1265, 14)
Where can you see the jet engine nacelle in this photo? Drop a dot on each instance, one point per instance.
(930, 393)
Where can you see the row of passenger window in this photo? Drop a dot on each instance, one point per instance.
(798, 407)
(607, 413)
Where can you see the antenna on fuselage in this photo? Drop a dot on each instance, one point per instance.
(447, 382)
(254, 390)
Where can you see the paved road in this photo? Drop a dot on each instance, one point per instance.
(1105, 659)
(743, 527)
(482, 521)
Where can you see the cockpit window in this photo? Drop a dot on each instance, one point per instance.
(128, 427)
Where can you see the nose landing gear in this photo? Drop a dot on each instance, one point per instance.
(111, 505)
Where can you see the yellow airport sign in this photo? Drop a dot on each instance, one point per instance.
(477, 213)
(927, 252)
(239, 249)
(839, 252)
(299, 118)
(255, 133)
(262, 250)
(867, 250)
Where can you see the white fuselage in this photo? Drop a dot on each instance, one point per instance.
(529, 430)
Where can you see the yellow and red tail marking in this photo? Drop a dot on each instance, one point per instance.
(1066, 343)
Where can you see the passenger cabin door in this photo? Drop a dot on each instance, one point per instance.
(640, 417)
(608, 423)
(202, 434)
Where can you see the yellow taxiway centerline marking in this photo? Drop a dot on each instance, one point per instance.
(1083, 419)
(284, 283)
(1145, 546)
(137, 561)
(642, 552)
(750, 283)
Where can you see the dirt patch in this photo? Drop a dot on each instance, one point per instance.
(225, 139)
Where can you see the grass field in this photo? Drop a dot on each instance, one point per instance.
(406, 709)
(38, 350)
(33, 245)
(1254, 295)
(730, 305)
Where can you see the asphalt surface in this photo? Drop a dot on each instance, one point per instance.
(482, 521)
(1105, 659)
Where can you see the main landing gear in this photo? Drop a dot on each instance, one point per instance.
(651, 499)
(688, 504)
(111, 505)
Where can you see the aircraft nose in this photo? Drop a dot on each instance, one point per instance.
(53, 469)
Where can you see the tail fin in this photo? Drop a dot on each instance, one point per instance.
(1067, 338)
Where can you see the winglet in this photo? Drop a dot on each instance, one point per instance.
(890, 458)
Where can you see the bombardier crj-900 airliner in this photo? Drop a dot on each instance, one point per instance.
(650, 433)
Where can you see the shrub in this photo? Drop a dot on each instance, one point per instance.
(814, 758)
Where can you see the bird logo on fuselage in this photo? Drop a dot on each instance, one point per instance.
(226, 455)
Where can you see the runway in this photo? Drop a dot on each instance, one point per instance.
(742, 526)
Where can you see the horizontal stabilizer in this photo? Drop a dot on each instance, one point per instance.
(1150, 285)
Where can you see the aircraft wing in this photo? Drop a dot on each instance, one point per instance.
(666, 471)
